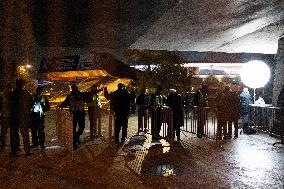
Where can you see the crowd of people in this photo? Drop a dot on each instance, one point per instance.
(29, 112)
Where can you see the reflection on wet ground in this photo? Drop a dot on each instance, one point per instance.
(250, 161)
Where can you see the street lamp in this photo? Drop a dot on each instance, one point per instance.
(255, 74)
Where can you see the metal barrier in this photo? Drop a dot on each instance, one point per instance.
(157, 121)
(202, 119)
(64, 127)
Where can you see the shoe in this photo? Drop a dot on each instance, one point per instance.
(199, 135)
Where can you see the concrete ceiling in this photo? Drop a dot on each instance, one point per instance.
(232, 26)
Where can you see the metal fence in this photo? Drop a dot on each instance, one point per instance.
(203, 119)
(156, 121)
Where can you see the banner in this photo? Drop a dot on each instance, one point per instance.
(59, 64)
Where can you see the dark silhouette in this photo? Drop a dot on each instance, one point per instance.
(19, 104)
(175, 102)
(92, 100)
(142, 102)
(132, 101)
(246, 100)
(40, 105)
(201, 101)
(120, 104)
(76, 105)
(157, 100)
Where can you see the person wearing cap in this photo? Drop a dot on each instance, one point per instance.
(92, 100)
(120, 104)
(19, 104)
(76, 104)
(175, 102)
(40, 105)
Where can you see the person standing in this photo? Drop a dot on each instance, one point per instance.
(142, 102)
(201, 101)
(92, 100)
(157, 100)
(120, 104)
(234, 111)
(246, 100)
(76, 105)
(175, 102)
(20, 105)
(40, 105)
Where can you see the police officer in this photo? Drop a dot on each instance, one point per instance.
(76, 105)
(157, 100)
(40, 107)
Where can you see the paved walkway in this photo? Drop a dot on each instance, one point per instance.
(250, 161)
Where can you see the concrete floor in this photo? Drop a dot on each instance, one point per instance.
(250, 161)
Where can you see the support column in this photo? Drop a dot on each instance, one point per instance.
(279, 71)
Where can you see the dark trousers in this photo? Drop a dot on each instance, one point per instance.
(15, 138)
(78, 120)
(201, 121)
(156, 122)
(121, 122)
(142, 119)
(93, 116)
(37, 130)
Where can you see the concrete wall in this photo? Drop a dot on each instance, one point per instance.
(279, 72)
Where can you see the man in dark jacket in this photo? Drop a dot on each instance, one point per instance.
(201, 101)
(40, 105)
(76, 105)
(120, 104)
(175, 102)
(20, 104)
(142, 102)
(157, 101)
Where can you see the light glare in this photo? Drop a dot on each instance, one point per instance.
(255, 74)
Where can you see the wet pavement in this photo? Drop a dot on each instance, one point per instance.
(250, 161)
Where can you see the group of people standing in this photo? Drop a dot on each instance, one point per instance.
(26, 111)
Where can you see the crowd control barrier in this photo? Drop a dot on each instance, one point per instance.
(156, 121)
(203, 119)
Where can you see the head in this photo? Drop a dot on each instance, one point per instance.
(172, 91)
(39, 90)
(120, 86)
(204, 88)
(74, 88)
(246, 90)
(159, 89)
(94, 87)
(20, 83)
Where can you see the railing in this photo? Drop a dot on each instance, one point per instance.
(201, 120)
(156, 121)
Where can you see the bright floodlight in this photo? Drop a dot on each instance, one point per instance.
(255, 74)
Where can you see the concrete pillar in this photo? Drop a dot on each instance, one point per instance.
(279, 72)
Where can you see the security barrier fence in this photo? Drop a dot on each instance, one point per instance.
(156, 121)
(204, 120)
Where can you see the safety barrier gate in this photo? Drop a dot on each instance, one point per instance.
(64, 127)
(156, 121)
(203, 119)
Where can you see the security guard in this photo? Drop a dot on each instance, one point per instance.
(40, 105)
